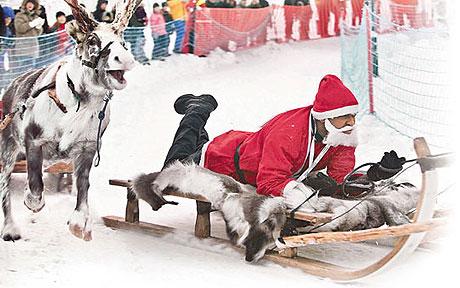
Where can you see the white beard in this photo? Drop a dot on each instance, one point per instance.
(336, 137)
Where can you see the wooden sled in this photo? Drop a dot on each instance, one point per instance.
(408, 236)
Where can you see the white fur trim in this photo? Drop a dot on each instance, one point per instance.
(203, 153)
(336, 112)
(295, 193)
(290, 186)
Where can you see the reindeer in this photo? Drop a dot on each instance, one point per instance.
(69, 123)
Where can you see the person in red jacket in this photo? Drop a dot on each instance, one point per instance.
(283, 152)
(62, 39)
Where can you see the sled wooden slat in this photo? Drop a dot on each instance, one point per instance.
(315, 267)
(59, 168)
(63, 169)
(312, 218)
(56, 168)
(120, 223)
(361, 235)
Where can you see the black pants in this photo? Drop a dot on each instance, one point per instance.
(189, 139)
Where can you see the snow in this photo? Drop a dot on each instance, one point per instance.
(251, 87)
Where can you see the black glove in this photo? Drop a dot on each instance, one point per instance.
(325, 185)
(389, 166)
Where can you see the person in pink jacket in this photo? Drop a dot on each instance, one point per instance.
(159, 34)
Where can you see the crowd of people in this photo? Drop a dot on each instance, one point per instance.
(27, 50)
(36, 43)
(30, 20)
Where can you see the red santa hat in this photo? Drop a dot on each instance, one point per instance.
(333, 99)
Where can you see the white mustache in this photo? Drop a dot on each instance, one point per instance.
(331, 128)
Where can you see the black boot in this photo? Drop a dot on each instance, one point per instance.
(205, 102)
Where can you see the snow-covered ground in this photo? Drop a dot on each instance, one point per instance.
(251, 87)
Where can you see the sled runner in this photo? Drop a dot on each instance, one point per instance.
(407, 236)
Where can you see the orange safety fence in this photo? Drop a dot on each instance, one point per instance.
(241, 28)
(228, 29)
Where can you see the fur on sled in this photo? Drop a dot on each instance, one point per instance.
(252, 221)
(255, 221)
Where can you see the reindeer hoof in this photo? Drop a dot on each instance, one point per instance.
(80, 226)
(33, 203)
(10, 233)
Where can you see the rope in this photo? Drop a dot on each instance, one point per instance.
(390, 182)
(101, 117)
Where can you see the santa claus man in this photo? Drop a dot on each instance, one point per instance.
(288, 148)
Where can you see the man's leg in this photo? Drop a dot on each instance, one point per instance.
(190, 135)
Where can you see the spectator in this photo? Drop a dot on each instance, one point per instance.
(356, 7)
(229, 4)
(324, 8)
(340, 12)
(170, 28)
(135, 34)
(2, 23)
(101, 8)
(45, 43)
(159, 35)
(215, 3)
(27, 23)
(179, 15)
(303, 14)
(263, 3)
(6, 43)
(42, 14)
(61, 38)
(6, 22)
(409, 8)
(192, 6)
(244, 3)
(254, 4)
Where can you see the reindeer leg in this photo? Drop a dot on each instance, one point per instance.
(80, 222)
(9, 151)
(33, 195)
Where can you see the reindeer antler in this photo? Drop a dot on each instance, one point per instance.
(124, 13)
(84, 20)
(120, 10)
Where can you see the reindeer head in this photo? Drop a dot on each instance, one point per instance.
(100, 46)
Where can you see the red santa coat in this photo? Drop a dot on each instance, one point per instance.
(270, 157)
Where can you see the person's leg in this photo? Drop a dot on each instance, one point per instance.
(190, 135)
(302, 16)
(164, 43)
(167, 41)
(288, 19)
(135, 41)
(156, 48)
(180, 33)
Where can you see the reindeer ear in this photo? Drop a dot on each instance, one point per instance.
(124, 10)
(83, 20)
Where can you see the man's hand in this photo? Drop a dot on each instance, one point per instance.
(389, 166)
(325, 185)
